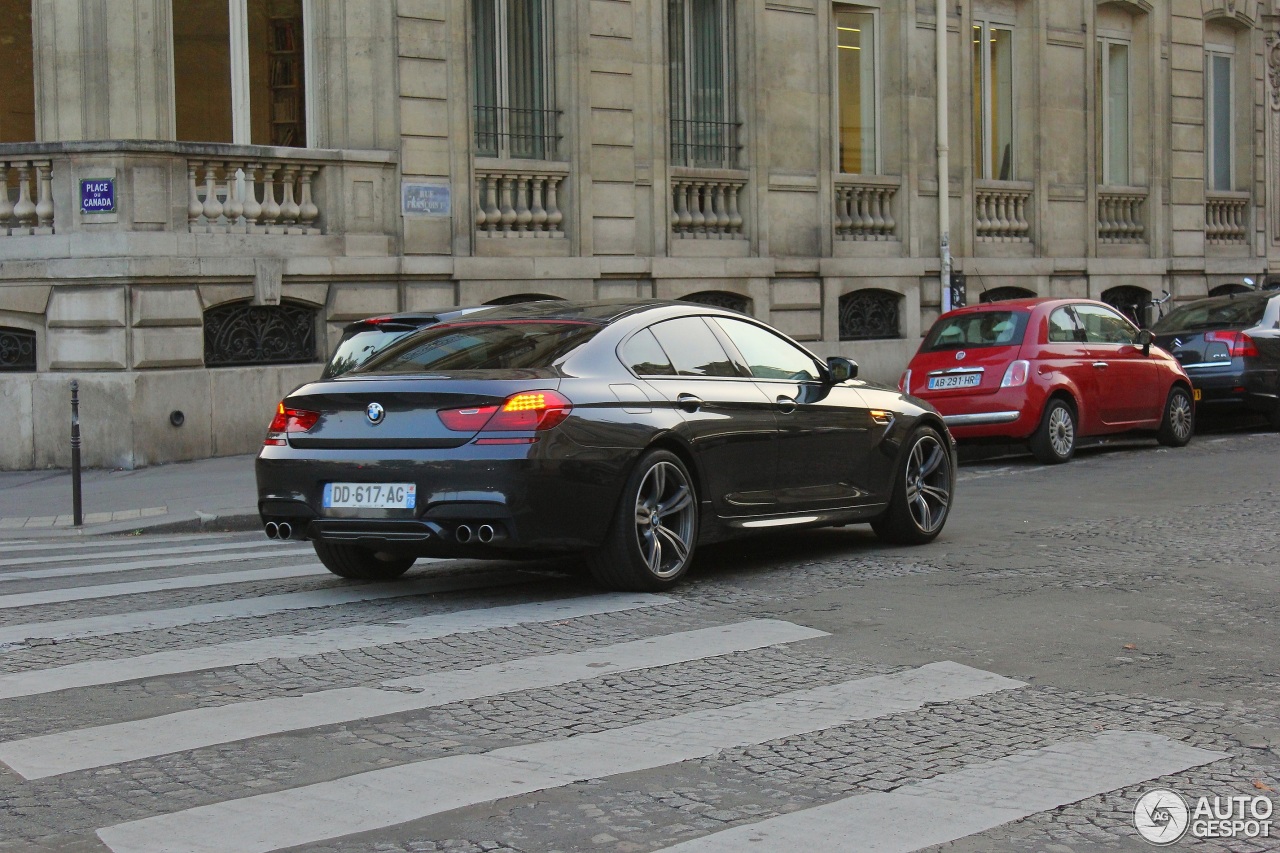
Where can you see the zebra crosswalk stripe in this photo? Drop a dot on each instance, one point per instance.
(65, 752)
(977, 798)
(407, 792)
(19, 546)
(260, 549)
(99, 672)
(151, 620)
(175, 561)
(111, 590)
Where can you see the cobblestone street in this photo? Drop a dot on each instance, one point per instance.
(1078, 636)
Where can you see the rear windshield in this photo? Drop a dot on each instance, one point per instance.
(482, 346)
(357, 347)
(1213, 314)
(980, 329)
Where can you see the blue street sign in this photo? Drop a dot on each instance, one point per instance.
(98, 195)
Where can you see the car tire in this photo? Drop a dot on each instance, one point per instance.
(651, 540)
(1054, 441)
(362, 564)
(923, 487)
(1179, 420)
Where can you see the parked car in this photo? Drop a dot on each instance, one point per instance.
(364, 339)
(1230, 347)
(1049, 372)
(627, 431)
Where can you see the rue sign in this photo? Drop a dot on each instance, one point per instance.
(98, 195)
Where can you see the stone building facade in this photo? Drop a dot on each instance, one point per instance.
(201, 193)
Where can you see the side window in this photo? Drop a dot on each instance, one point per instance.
(693, 348)
(1104, 326)
(1063, 328)
(768, 356)
(645, 358)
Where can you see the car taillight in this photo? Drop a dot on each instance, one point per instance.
(287, 421)
(528, 411)
(1016, 374)
(904, 383)
(1240, 344)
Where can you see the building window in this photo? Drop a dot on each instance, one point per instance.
(720, 299)
(18, 83)
(1114, 117)
(1131, 301)
(239, 72)
(704, 106)
(993, 101)
(869, 314)
(515, 79)
(1219, 117)
(856, 65)
(17, 350)
(238, 334)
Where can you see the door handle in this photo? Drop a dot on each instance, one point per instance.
(786, 405)
(1100, 365)
(688, 402)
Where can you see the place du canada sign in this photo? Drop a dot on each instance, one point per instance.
(98, 195)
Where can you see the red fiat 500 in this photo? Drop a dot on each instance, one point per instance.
(1049, 372)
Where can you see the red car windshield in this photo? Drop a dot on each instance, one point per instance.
(976, 329)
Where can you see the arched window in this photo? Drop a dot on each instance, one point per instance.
(517, 298)
(1133, 302)
(1229, 289)
(238, 334)
(869, 315)
(720, 299)
(999, 294)
(17, 350)
(17, 84)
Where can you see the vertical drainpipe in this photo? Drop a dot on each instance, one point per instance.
(944, 167)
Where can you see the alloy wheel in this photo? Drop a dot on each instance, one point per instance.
(1062, 432)
(665, 519)
(1180, 416)
(928, 483)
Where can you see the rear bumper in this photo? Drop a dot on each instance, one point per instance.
(555, 495)
(1232, 386)
(1010, 413)
(980, 419)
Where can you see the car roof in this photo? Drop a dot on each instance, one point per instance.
(1212, 301)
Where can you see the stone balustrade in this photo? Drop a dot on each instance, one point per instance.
(706, 203)
(26, 197)
(520, 199)
(1122, 215)
(1000, 211)
(1226, 218)
(246, 197)
(864, 207)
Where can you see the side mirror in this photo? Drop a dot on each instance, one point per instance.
(1144, 340)
(842, 369)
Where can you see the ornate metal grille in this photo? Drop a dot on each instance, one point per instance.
(17, 350)
(1133, 302)
(241, 334)
(720, 299)
(868, 315)
(999, 294)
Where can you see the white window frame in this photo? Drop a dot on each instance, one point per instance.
(1105, 43)
(878, 165)
(502, 72)
(241, 118)
(989, 169)
(1211, 51)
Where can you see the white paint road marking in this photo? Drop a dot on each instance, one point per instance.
(958, 804)
(176, 561)
(111, 590)
(264, 549)
(123, 542)
(97, 672)
(66, 752)
(150, 620)
(408, 792)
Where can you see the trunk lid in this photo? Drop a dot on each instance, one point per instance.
(954, 366)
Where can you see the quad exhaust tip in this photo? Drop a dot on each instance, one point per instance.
(285, 530)
(462, 533)
(271, 529)
(485, 533)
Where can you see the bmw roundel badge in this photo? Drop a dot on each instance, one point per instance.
(375, 413)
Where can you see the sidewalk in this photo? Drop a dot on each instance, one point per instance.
(210, 494)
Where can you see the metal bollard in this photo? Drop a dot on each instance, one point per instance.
(77, 514)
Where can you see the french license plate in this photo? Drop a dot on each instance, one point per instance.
(370, 495)
(955, 380)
